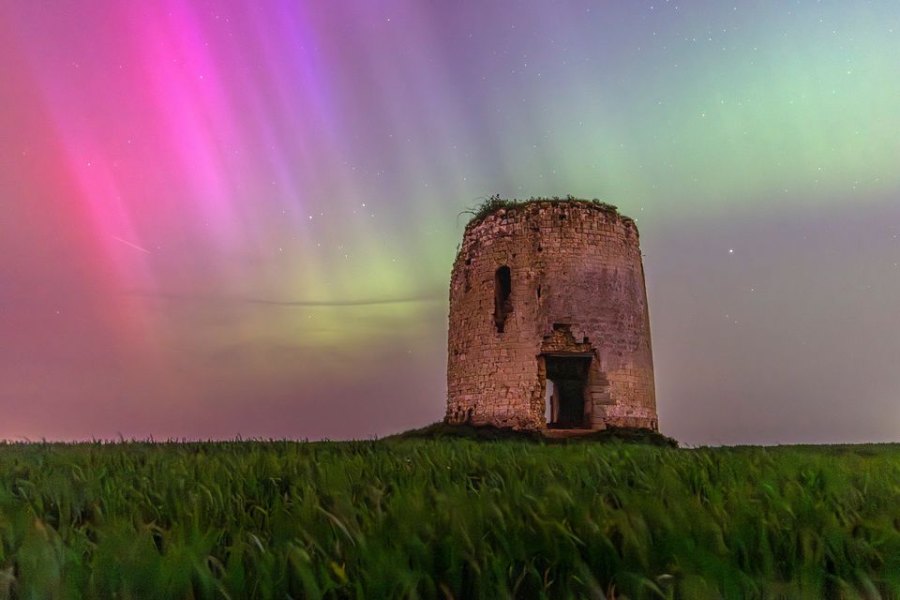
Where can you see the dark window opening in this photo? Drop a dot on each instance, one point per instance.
(502, 302)
(566, 383)
(539, 291)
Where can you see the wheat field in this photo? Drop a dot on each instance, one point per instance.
(447, 519)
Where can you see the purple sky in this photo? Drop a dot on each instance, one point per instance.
(224, 218)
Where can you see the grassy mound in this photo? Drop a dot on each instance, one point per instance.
(631, 435)
(487, 433)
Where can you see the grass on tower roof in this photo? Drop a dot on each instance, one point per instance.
(495, 203)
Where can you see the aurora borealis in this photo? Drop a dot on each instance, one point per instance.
(224, 218)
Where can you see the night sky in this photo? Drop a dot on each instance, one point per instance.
(233, 217)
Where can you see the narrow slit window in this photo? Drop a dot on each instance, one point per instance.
(502, 302)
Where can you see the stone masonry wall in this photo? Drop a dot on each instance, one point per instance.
(577, 286)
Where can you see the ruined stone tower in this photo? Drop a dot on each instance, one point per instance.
(548, 320)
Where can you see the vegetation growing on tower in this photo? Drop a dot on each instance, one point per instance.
(495, 203)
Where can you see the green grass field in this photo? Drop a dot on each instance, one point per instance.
(447, 519)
